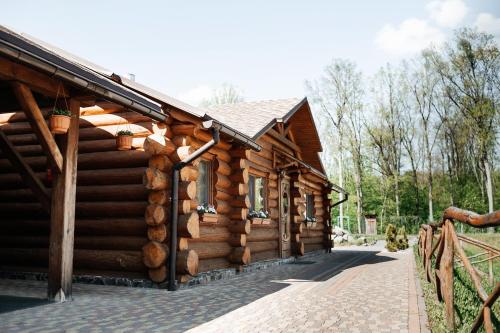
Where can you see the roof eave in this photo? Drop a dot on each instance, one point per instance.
(22, 51)
(236, 135)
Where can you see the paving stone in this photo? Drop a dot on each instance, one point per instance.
(345, 291)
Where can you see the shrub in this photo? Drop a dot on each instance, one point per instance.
(402, 239)
(390, 238)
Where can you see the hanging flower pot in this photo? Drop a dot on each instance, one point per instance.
(124, 140)
(59, 121)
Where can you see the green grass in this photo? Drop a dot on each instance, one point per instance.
(467, 302)
(470, 250)
(435, 310)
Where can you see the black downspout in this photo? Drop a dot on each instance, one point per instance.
(175, 202)
(344, 199)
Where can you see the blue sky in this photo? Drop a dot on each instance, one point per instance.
(266, 48)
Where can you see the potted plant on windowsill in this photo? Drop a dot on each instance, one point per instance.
(259, 217)
(59, 121)
(310, 222)
(207, 213)
(124, 140)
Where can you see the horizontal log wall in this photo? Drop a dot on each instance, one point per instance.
(111, 199)
(263, 239)
(313, 237)
(122, 205)
(219, 245)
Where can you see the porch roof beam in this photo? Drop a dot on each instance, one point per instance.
(27, 174)
(37, 81)
(38, 124)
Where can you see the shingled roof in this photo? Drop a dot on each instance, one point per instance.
(254, 119)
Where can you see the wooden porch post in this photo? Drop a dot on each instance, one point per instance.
(62, 222)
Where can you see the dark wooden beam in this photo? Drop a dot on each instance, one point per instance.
(38, 124)
(281, 128)
(62, 222)
(37, 81)
(283, 140)
(292, 138)
(27, 174)
(287, 165)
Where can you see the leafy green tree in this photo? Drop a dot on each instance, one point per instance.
(469, 70)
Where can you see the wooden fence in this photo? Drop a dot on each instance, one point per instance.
(441, 242)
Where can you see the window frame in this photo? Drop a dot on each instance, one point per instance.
(252, 191)
(310, 211)
(210, 181)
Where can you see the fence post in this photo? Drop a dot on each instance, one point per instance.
(446, 270)
(428, 249)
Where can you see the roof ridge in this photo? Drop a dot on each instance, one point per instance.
(298, 99)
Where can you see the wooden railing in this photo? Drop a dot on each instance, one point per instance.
(447, 245)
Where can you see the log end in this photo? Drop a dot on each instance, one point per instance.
(238, 240)
(159, 274)
(154, 254)
(299, 248)
(189, 225)
(157, 233)
(155, 215)
(187, 262)
(240, 227)
(240, 255)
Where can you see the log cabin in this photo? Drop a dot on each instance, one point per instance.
(195, 190)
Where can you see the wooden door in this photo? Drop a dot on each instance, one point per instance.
(284, 218)
(371, 226)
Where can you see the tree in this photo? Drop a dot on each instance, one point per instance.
(469, 71)
(424, 84)
(410, 139)
(386, 128)
(339, 94)
(429, 132)
(226, 94)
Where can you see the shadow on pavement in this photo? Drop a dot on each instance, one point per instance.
(337, 263)
(13, 303)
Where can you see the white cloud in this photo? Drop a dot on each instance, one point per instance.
(447, 13)
(488, 23)
(411, 36)
(196, 95)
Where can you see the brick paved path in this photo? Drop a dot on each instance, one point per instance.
(346, 291)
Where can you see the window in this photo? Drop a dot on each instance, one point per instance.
(204, 183)
(256, 193)
(309, 206)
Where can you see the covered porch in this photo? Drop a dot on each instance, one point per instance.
(33, 82)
